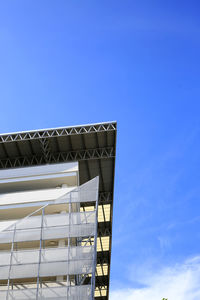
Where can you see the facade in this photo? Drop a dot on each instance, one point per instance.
(56, 202)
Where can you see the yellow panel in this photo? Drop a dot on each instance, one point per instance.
(87, 208)
(101, 208)
(107, 212)
(91, 242)
(101, 272)
(104, 213)
(100, 214)
(100, 292)
(104, 242)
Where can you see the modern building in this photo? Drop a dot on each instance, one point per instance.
(56, 204)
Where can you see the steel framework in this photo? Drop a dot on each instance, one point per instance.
(88, 154)
(72, 263)
(93, 146)
(49, 133)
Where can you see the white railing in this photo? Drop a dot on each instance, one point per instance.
(55, 226)
(54, 262)
(50, 262)
(82, 292)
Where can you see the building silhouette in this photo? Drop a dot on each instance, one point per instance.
(56, 204)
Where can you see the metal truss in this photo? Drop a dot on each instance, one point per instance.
(46, 149)
(105, 197)
(101, 298)
(104, 229)
(98, 153)
(103, 257)
(49, 133)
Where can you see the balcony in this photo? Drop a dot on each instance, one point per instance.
(30, 268)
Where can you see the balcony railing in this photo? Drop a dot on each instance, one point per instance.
(73, 261)
(57, 226)
(53, 262)
(81, 292)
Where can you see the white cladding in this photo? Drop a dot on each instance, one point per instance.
(77, 224)
(31, 173)
(81, 292)
(34, 196)
(48, 252)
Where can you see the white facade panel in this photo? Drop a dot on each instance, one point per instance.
(60, 232)
(34, 196)
(28, 173)
(51, 293)
(26, 255)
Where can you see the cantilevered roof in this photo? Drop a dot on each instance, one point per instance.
(94, 147)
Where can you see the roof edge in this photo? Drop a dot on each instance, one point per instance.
(58, 128)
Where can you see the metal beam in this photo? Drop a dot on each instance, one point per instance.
(49, 133)
(104, 229)
(98, 153)
(105, 197)
(101, 281)
(103, 257)
(46, 151)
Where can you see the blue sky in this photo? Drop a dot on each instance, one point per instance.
(137, 62)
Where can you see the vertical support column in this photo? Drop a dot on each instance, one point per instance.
(78, 239)
(40, 254)
(61, 244)
(68, 246)
(95, 243)
(10, 266)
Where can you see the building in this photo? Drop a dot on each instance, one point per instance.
(56, 204)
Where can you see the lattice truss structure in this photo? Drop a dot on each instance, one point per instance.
(34, 267)
(43, 137)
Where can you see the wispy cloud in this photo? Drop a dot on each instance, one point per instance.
(180, 282)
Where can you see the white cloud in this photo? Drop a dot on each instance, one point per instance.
(181, 282)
